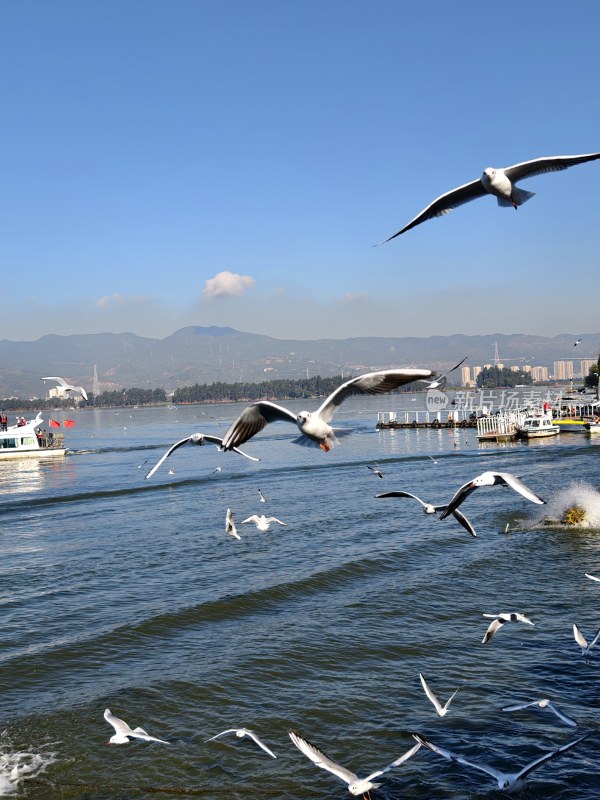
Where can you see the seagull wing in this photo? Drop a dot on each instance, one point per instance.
(259, 742)
(252, 420)
(547, 756)
(372, 383)
(561, 715)
(459, 497)
(460, 517)
(402, 494)
(321, 760)
(495, 625)
(579, 637)
(520, 706)
(455, 757)
(119, 725)
(437, 382)
(396, 763)
(591, 577)
(216, 736)
(167, 454)
(254, 518)
(431, 696)
(517, 484)
(140, 733)
(594, 640)
(444, 204)
(538, 166)
(274, 519)
(60, 381)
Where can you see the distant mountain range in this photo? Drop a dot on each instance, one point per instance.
(208, 354)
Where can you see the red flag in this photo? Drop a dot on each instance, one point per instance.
(54, 423)
(69, 423)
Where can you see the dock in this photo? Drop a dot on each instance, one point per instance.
(398, 420)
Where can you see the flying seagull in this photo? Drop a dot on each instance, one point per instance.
(491, 479)
(376, 471)
(67, 387)
(441, 710)
(498, 182)
(199, 439)
(123, 733)
(543, 703)
(230, 525)
(591, 577)
(430, 509)
(314, 426)
(434, 384)
(507, 781)
(240, 733)
(263, 499)
(356, 785)
(582, 641)
(498, 621)
(577, 341)
(262, 523)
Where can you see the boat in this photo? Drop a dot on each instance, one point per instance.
(573, 414)
(593, 427)
(25, 440)
(536, 426)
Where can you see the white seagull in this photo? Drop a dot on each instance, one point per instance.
(507, 781)
(592, 577)
(230, 525)
(438, 382)
(498, 621)
(240, 733)
(498, 182)
(356, 785)
(67, 387)
(314, 426)
(441, 710)
(582, 641)
(376, 471)
(430, 509)
(262, 523)
(543, 703)
(263, 499)
(199, 439)
(491, 479)
(123, 733)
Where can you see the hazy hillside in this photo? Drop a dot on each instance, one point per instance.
(203, 355)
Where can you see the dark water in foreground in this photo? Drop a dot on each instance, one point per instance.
(124, 593)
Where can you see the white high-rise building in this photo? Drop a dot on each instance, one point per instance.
(563, 370)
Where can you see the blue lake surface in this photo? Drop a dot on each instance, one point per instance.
(126, 593)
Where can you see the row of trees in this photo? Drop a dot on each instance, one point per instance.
(283, 389)
(492, 377)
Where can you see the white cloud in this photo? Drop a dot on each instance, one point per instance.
(119, 300)
(227, 284)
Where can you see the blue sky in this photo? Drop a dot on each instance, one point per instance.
(185, 162)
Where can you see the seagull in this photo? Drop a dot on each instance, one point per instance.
(230, 525)
(199, 439)
(498, 621)
(430, 509)
(435, 384)
(240, 733)
(441, 710)
(262, 523)
(356, 785)
(123, 733)
(498, 182)
(433, 459)
(376, 471)
(217, 469)
(577, 341)
(314, 426)
(582, 641)
(263, 499)
(591, 577)
(507, 781)
(543, 703)
(67, 387)
(491, 479)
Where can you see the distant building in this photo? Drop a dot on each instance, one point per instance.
(465, 376)
(563, 370)
(585, 365)
(539, 373)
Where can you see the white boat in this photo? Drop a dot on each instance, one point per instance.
(23, 441)
(593, 427)
(536, 426)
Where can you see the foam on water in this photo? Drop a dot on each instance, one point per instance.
(17, 765)
(578, 494)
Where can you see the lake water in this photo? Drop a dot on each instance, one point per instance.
(126, 593)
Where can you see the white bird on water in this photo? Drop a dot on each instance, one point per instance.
(124, 734)
(497, 182)
(356, 785)
(442, 710)
(490, 479)
(314, 426)
(262, 523)
(583, 642)
(507, 781)
(498, 620)
(430, 509)
(67, 387)
(261, 496)
(240, 733)
(199, 439)
(543, 703)
(230, 525)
